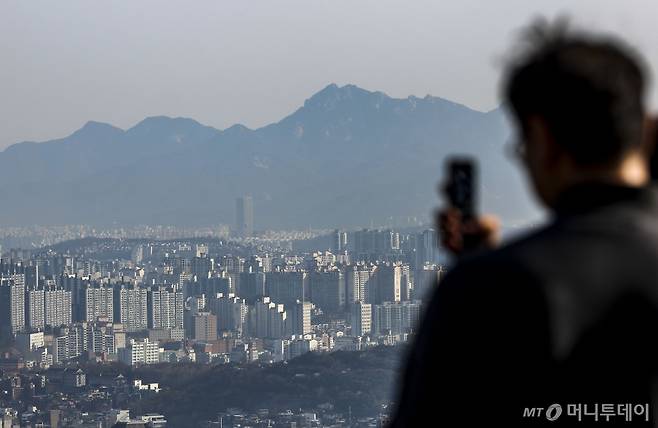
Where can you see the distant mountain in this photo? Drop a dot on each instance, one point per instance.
(347, 158)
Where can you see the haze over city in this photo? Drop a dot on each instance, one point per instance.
(228, 62)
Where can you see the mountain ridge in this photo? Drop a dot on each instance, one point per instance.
(100, 124)
(346, 157)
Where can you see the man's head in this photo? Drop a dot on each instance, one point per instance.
(579, 105)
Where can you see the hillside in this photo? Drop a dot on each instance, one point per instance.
(362, 381)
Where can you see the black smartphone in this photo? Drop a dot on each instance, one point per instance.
(460, 187)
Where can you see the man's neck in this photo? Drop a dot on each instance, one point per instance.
(631, 171)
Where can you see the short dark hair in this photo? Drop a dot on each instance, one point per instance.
(588, 89)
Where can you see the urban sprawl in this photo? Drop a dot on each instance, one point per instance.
(241, 300)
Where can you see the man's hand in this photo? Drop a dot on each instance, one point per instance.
(460, 237)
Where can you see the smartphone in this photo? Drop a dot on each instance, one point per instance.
(461, 185)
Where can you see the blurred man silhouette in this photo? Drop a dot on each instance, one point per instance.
(567, 315)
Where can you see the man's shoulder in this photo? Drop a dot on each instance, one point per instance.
(515, 257)
(501, 278)
(494, 288)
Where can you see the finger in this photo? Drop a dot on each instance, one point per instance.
(490, 229)
(489, 222)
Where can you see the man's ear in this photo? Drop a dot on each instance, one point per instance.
(545, 145)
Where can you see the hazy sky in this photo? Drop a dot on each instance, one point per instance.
(253, 62)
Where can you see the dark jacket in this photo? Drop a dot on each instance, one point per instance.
(567, 316)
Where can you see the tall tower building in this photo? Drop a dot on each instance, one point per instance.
(426, 247)
(287, 287)
(132, 308)
(36, 318)
(327, 289)
(268, 319)
(251, 285)
(259, 317)
(300, 318)
(244, 216)
(205, 327)
(278, 323)
(231, 312)
(361, 318)
(427, 279)
(165, 308)
(58, 307)
(395, 317)
(98, 303)
(339, 241)
(389, 283)
(360, 282)
(12, 303)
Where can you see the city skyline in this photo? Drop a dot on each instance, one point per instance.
(166, 305)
